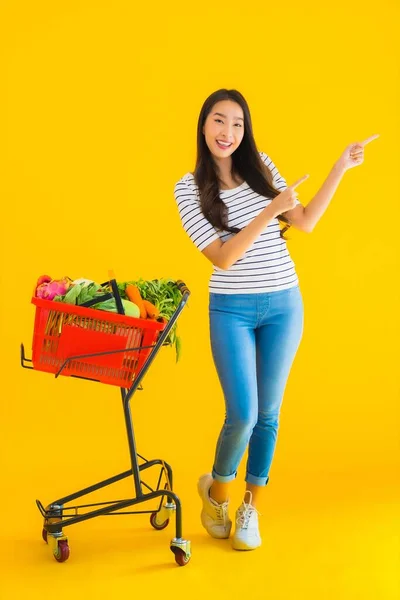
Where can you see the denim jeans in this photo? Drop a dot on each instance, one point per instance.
(254, 339)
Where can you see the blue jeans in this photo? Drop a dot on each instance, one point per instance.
(254, 339)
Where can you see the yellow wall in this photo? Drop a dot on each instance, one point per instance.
(99, 108)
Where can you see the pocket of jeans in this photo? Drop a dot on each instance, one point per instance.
(239, 304)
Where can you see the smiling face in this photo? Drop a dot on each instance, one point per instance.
(224, 128)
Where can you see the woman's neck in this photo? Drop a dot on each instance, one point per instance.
(224, 168)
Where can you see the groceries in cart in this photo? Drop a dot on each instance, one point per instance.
(156, 299)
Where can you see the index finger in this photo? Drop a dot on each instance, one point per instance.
(369, 139)
(299, 181)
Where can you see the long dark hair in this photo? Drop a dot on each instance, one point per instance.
(246, 162)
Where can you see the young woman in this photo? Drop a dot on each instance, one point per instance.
(231, 207)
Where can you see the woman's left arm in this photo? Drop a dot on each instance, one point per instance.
(305, 218)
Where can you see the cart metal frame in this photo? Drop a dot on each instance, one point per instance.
(57, 515)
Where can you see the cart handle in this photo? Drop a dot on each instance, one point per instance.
(183, 287)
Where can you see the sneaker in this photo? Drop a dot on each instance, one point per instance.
(214, 516)
(246, 536)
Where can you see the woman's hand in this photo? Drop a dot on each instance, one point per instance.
(354, 154)
(286, 200)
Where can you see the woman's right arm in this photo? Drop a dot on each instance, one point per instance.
(224, 254)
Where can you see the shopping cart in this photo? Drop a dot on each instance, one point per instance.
(113, 348)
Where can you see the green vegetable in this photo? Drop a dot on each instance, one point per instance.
(166, 296)
(131, 309)
(72, 294)
(79, 293)
(178, 347)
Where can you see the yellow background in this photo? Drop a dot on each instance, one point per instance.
(99, 107)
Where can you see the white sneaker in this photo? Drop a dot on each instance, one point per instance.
(214, 516)
(246, 536)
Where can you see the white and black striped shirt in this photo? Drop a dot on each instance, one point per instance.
(266, 266)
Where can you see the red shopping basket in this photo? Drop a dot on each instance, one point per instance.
(64, 335)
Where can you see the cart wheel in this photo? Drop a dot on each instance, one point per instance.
(153, 522)
(44, 535)
(61, 554)
(181, 557)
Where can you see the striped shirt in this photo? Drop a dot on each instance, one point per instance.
(267, 265)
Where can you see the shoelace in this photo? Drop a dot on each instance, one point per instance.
(245, 512)
(222, 511)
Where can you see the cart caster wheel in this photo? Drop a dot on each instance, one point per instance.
(181, 549)
(44, 535)
(158, 526)
(61, 552)
(181, 557)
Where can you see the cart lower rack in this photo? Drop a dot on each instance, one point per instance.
(118, 350)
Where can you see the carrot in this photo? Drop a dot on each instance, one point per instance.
(152, 311)
(134, 296)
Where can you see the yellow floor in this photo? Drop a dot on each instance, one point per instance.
(333, 539)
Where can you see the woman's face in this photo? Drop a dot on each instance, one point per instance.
(225, 123)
